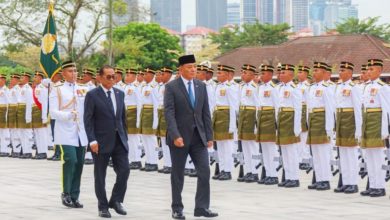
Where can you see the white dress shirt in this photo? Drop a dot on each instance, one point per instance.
(185, 81)
(112, 97)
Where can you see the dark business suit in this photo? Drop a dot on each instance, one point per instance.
(194, 126)
(109, 130)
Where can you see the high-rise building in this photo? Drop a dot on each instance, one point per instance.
(211, 14)
(267, 11)
(167, 13)
(280, 11)
(233, 13)
(300, 14)
(249, 12)
(132, 13)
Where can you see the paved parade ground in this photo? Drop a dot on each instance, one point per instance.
(31, 190)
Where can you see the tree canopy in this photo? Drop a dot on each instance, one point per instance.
(251, 34)
(365, 26)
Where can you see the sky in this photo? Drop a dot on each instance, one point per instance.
(367, 8)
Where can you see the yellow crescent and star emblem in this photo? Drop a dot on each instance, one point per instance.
(48, 43)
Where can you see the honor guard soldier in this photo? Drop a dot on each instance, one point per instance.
(209, 77)
(87, 81)
(166, 75)
(140, 78)
(55, 81)
(119, 84)
(149, 120)
(4, 131)
(39, 116)
(348, 128)
(133, 111)
(266, 124)
(13, 92)
(320, 126)
(375, 129)
(88, 76)
(224, 121)
(303, 85)
(289, 125)
(364, 78)
(247, 122)
(202, 73)
(67, 107)
(24, 116)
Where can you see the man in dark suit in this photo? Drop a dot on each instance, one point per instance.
(105, 125)
(189, 132)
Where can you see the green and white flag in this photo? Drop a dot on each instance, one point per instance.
(50, 59)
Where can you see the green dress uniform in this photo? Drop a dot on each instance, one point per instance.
(67, 108)
(375, 131)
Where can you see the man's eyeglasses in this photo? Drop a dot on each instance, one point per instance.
(110, 77)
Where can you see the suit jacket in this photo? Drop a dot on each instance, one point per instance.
(101, 124)
(181, 118)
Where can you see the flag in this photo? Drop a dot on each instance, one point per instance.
(50, 59)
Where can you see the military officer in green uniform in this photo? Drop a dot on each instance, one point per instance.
(4, 131)
(247, 122)
(289, 125)
(67, 107)
(375, 128)
(348, 128)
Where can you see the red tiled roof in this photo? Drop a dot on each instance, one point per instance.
(199, 31)
(331, 49)
(170, 31)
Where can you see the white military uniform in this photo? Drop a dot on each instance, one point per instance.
(319, 96)
(133, 99)
(165, 148)
(120, 85)
(303, 149)
(249, 97)
(4, 132)
(90, 85)
(149, 96)
(348, 96)
(42, 134)
(64, 100)
(376, 96)
(14, 132)
(269, 97)
(224, 96)
(290, 97)
(25, 97)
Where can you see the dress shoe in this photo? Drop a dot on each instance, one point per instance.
(377, 193)
(66, 200)
(271, 181)
(77, 204)
(226, 176)
(351, 189)
(313, 186)
(186, 172)
(324, 185)
(178, 215)
(135, 165)
(104, 213)
(282, 184)
(3, 154)
(167, 170)
(26, 156)
(110, 163)
(15, 155)
(40, 156)
(117, 206)
(243, 178)
(341, 189)
(252, 178)
(205, 213)
(143, 168)
(292, 184)
(304, 166)
(366, 192)
(151, 168)
(216, 177)
(50, 148)
(88, 161)
(193, 173)
(262, 181)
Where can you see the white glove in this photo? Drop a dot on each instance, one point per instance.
(46, 82)
(72, 116)
(137, 125)
(384, 137)
(232, 130)
(255, 130)
(44, 121)
(329, 133)
(155, 126)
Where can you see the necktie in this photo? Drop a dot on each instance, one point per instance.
(191, 95)
(110, 101)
